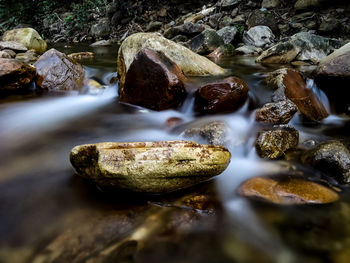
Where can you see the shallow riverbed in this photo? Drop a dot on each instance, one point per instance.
(50, 215)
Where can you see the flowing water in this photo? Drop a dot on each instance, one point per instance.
(50, 215)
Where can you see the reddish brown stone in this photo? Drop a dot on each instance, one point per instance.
(153, 81)
(15, 75)
(226, 95)
(287, 191)
(56, 71)
(292, 85)
(173, 121)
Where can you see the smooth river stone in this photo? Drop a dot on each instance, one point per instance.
(287, 191)
(151, 167)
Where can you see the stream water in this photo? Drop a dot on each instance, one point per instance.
(50, 215)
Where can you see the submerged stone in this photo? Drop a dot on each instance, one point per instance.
(151, 167)
(214, 132)
(287, 191)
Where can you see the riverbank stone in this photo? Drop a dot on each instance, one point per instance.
(151, 167)
(28, 37)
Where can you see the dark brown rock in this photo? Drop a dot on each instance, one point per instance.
(290, 84)
(226, 95)
(287, 191)
(273, 144)
(333, 76)
(153, 81)
(56, 71)
(331, 157)
(15, 75)
(276, 113)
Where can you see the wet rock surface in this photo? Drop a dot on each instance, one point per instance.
(214, 132)
(15, 75)
(226, 95)
(273, 144)
(276, 113)
(290, 84)
(287, 191)
(331, 157)
(153, 81)
(190, 63)
(153, 167)
(56, 71)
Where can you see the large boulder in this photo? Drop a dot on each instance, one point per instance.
(332, 157)
(15, 75)
(190, 63)
(205, 42)
(289, 84)
(153, 167)
(333, 76)
(273, 144)
(28, 37)
(153, 81)
(302, 46)
(226, 95)
(259, 36)
(287, 191)
(56, 71)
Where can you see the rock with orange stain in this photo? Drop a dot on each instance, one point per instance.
(290, 84)
(287, 191)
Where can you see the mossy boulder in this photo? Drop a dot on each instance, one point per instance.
(150, 167)
(28, 37)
